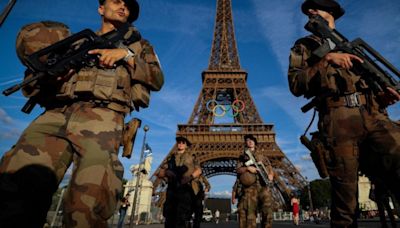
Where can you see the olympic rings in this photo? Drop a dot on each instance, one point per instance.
(220, 110)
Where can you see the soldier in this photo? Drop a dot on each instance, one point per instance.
(351, 116)
(181, 168)
(82, 124)
(256, 195)
(198, 199)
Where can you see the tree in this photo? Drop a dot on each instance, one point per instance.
(320, 194)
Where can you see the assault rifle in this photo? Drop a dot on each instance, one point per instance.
(6, 11)
(260, 167)
(71, 53)
(374, 71)
(178, 171)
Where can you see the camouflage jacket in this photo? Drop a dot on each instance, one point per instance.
(259, 156)
(188, 160)
(123, 88)
(317, 79)
(203, 182)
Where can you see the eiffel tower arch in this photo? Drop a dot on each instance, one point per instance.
(224, 112)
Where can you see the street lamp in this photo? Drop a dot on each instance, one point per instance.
(309, 194)
(132, 218)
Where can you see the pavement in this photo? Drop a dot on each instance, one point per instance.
(276, 224)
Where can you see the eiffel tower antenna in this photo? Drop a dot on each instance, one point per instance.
(224, 54)
(225, 111)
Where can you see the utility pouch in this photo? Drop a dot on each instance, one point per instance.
(140, 96)
(319, 154)
(129, 135)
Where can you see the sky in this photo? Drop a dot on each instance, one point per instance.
(181, 32)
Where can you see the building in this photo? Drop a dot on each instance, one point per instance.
(145, 190)
(364, 186)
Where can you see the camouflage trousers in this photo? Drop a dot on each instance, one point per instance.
(354, 138)
(82, 134)
(255, 198)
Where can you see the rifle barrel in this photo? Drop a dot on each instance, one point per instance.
(6, 11)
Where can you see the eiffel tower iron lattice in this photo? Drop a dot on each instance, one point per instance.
(225, 95)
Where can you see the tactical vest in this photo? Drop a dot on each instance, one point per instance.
(122, 88)
(336, 80)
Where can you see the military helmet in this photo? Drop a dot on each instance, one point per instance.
(133, 7)
(247, 178)
(330, 6)
(35, 36)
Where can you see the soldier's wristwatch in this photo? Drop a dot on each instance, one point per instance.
(130, 54)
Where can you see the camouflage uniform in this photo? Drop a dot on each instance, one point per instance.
(82, 124)
(254, 198)
(348, 132)
(177, 208)
(198, 198)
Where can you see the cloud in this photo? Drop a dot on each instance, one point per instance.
(177, 17)
(281, 25)
(223, 194)
(8, 134)
(306, 157)
(382, 34)
(170, 107)
(299, 167)
(288, 103)
(4, 117)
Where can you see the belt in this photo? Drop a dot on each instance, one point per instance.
(97, 103)
(351, 101)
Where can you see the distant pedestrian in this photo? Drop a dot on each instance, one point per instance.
(295, 202)
(217, 216)
(122, 210)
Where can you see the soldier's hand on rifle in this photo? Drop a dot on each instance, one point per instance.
(270, 177)
(343, 60)
(252, 169)
(389, 97)
(67, 76)
(186, 179)
(108, 57)
(170, 174)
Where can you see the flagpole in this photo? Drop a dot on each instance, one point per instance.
(132, 218)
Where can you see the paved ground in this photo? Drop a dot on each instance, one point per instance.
(373, 223)
(362, 224)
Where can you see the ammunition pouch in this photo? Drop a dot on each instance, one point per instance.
(140, 96)
(319, 154)
(129, 135)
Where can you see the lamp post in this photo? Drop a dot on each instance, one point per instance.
(132, 218)
(309, 194)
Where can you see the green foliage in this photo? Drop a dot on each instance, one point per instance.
(320, 194)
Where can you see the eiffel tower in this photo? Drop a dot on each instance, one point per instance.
(225, 96)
